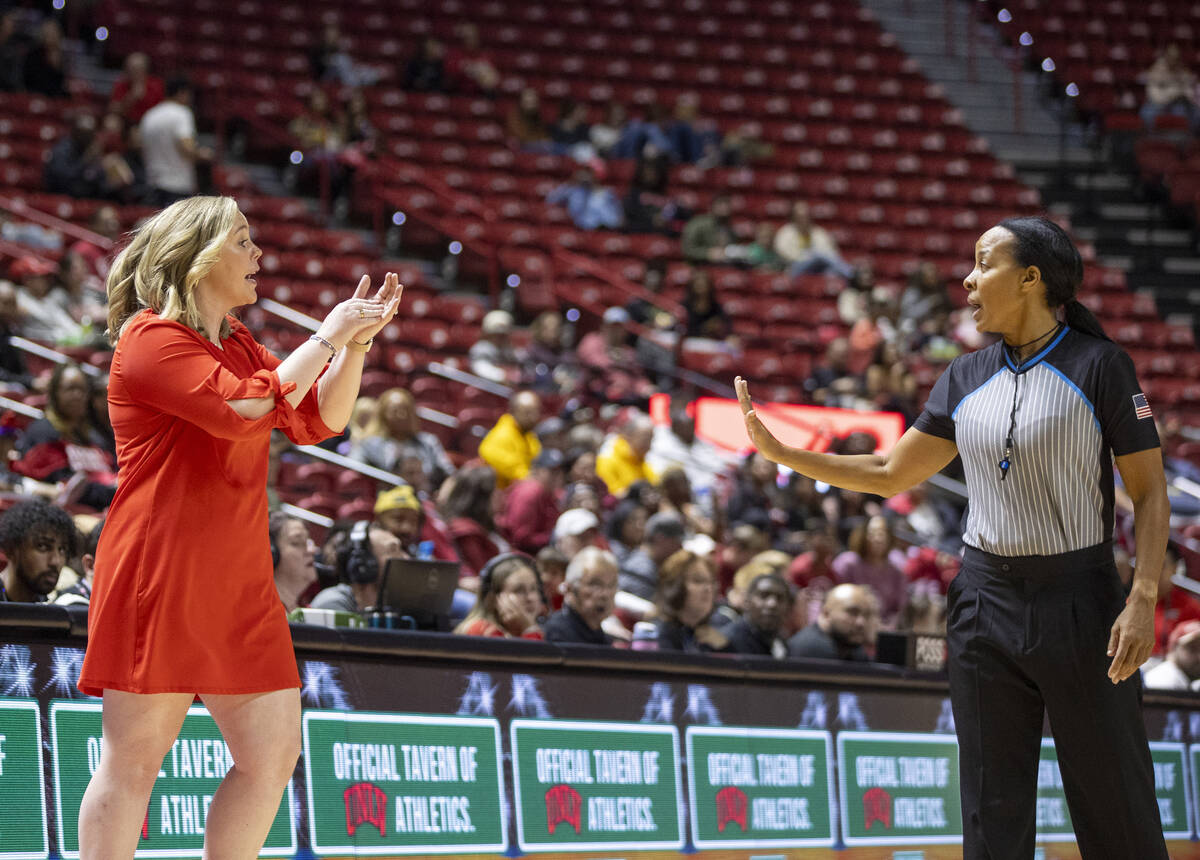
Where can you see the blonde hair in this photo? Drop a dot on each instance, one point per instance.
(378, 425)
(166, 258)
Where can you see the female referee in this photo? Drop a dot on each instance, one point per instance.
(184, 602)
(1038, 621)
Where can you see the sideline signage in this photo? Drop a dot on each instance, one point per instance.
(596, 786)
(754, 787)
(403, 784)
(23, 834)
(190, 774)
(899, 789)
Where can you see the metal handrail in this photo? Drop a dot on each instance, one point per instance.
(34, 348)
(20, 207)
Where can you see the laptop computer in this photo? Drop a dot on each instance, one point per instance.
(420, 588)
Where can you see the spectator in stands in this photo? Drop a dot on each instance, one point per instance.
(677, 497)
(1181, 668)
(705, 316)
(662, 538)
(590, 206)
(924, 295)
(625, 528)
(294, 555)
(511, 445)
(469, 511)
(708, 237)
(869, 561)
(648, 208)
(755, 497)
(45, 62)
(575, 529)
(807, 247)
(531, 504)
(394, 432)
(604, 135)
(509, 601)
(169, 148)
(844, 629)
(685, 596)
(547, 363)
(87, 301)
(760, 253)
(552, 570)
(814, 566)
(1170, 89)
(741, 544)
(617, 378)
(693, 139)
(570, 131)
(79, 593)
(104, 223)
(924, 609)
(37, 539)
(12, 53)
(136, 91)
(492, 356)
(676, 444)
(332, 62)
(744, 146)
(12, 360)
(78, 166)
(622, 460)
(399, 511)
(66, 447)
(42, 306)
(646, 138)
(469, 67)
(768, 604)
(361, 559)
(426, 70)
(589, 592)
(525, 125)
(832, 380)
(1174, 605)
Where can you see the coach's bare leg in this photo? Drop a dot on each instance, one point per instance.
(138, 732)
(263, 734)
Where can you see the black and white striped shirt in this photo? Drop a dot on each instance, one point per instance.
(1077, 405)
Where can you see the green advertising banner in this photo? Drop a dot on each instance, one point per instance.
(191, 772)
(596, 786)
(23, 834)
(401, 784)
(1170, 788)
(898, 789)
(759, 788)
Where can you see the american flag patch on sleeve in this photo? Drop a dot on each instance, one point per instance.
(1140, 407)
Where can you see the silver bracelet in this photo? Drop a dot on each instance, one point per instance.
(316, 338)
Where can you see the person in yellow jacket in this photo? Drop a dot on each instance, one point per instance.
(622, 460)
(510, 446)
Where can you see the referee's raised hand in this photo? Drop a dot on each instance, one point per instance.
(763, 440)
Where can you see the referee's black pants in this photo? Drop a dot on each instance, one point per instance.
(1029, 635)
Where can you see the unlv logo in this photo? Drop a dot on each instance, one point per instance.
(877, 806)
(563, 803)
(365, 804)
(731, 807)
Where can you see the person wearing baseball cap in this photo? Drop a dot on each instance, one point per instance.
(1181, 669)
(42, 305)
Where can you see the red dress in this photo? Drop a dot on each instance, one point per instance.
(184, 599)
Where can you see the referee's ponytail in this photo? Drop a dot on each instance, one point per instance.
(1042, 243)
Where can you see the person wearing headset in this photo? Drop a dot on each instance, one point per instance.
(510, 600)
(293, 558)
(360, 564)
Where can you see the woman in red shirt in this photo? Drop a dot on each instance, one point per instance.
(183, 601)
(510, 600)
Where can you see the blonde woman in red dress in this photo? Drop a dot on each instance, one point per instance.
(184, 603)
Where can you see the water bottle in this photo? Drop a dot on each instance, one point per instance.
(645, 636)
(425, 549)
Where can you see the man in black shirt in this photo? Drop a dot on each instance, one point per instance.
(768, 604)
(589, 592)
(38, 538)
(845, 625)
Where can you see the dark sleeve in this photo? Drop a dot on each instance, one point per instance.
(1122, 408)
(936, 418)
